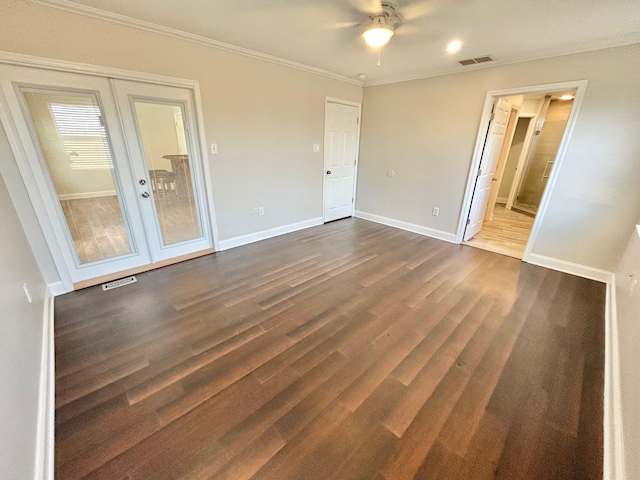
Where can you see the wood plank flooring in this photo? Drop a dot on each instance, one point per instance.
(97, 226)
(507, 233)
(346, 351)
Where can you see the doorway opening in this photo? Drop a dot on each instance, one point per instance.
(522, 144)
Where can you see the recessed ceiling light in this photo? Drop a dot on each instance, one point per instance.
(566, 97)
(454, 46)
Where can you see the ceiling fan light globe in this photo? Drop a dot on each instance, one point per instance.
(378, 36)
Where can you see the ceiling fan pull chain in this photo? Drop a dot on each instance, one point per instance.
(379, 52)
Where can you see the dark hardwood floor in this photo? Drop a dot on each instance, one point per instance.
(346, 351)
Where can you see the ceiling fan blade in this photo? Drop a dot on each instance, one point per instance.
(416, 10)
(344, 25)
(370, 7)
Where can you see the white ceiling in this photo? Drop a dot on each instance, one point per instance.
(320, 33)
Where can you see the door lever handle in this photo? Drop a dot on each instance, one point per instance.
(328, 172)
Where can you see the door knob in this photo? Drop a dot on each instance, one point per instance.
(145, 194)
(142, 181)
(328, 172)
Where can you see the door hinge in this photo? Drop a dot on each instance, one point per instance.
(493, 115)
(352, 199)
(479, 171)
(468, 221)
(357, 120)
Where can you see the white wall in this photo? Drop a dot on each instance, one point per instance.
(628, 309)
(20, 343)
(426, 129)
(264, 117)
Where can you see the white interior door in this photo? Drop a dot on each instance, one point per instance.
(487, 168)
(159, 124)
(341, 137)
(76, 169)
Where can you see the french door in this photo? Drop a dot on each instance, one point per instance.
(113, 167)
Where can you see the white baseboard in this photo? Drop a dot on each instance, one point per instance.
(76, 196)
(569, 267)
(272, 232)
(56, 289)
(46, 408)
(411, 227)
(502, 200)
(614, 460)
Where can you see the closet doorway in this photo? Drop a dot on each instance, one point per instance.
(113, 170)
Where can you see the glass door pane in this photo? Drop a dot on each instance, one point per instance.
(163, 137)
(78, 156)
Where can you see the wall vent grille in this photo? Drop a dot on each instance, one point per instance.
(118, 283)
(474, 61)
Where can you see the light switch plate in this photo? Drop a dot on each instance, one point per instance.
(316, 148)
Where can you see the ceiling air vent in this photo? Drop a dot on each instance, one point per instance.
(473, 61)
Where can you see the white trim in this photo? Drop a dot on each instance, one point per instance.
(358, 105)
(410, 227)
(56, 288)
(340, 101)
(501, 200)
(270, 233)
(92, 12)
(614, 461)
(206, 168)
(580, 86)
(46, 403)
(78, 196)
(571, 268)
(45, 63)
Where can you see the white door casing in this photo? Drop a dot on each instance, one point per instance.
(487, 168)
(14, 80)
(341, 141)
(42, 193)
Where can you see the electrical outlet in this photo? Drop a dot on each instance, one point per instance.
(255, 212)
(214, 149)
(316, 147)
(435, 212)
(25, 287)
(261, 210)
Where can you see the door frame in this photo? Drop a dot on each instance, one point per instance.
(33, 199)
(327, 101)
(580, 86)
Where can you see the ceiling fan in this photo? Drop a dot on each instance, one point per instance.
(385, 18)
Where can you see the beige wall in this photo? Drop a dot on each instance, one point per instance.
(426, 130)
(264, 117)
(629, 338)
(20, 342)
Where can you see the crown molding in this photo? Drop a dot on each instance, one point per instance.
(92, 12)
